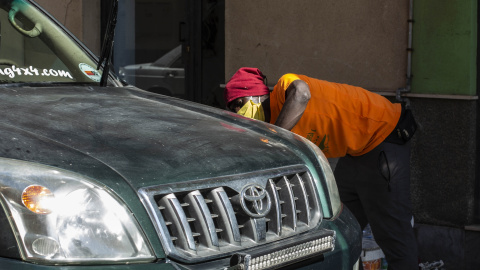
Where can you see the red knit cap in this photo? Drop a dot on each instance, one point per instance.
(244, 83)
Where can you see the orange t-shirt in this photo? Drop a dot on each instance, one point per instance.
(341, 119)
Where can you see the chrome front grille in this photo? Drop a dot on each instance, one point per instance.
(209, 220)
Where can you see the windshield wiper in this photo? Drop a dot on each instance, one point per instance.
(107, 46)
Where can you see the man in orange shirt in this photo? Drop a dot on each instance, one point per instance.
(368, 132)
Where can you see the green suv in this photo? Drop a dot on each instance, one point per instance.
(96, 174)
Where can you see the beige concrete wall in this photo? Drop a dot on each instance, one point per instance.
(360, 42)
(81, 17)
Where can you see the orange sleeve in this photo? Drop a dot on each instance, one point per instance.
(277, 97)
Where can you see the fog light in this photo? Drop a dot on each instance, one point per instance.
(45, 246)
(287, 253)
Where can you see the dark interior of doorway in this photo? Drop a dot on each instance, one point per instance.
(202, 34)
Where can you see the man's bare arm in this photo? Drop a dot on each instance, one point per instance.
(297, 96)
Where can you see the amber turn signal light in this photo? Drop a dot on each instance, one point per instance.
(38, 199)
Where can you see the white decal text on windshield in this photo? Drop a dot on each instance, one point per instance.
(31, 71)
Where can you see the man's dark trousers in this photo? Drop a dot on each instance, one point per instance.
(376, 188)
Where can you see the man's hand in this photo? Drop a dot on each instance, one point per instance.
(297, 96)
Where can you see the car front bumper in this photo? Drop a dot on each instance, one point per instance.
(344, 256)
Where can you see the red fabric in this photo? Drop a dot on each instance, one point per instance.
(244, 83)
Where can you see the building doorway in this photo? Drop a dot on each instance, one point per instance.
(171, 47)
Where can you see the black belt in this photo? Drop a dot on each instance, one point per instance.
(405, 128)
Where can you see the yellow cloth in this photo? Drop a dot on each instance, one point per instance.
(253, 110)
(341, 119)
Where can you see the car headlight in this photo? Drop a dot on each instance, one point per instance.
(60, 217)
(335, 203)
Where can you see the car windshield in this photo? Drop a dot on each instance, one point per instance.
(34, 49)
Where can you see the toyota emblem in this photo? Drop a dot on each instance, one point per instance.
(255, 201)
